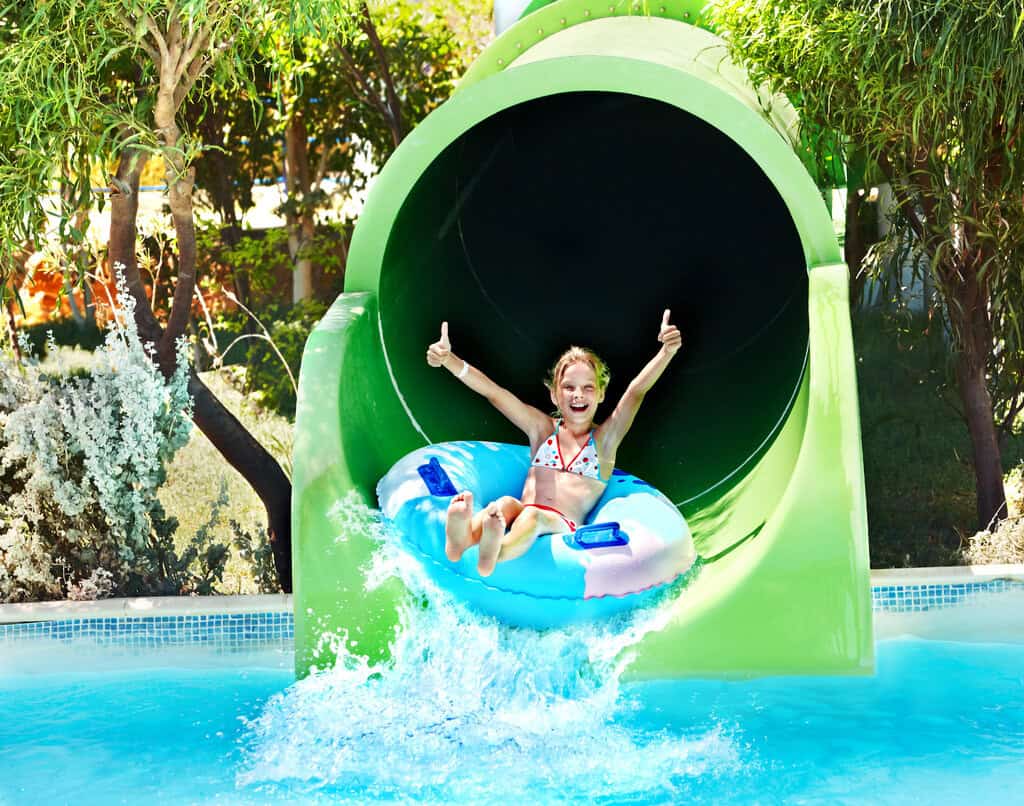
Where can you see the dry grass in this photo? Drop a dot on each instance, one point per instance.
(1006, 543)
(198, 472)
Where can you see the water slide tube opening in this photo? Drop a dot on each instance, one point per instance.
(588, 174)
(577, 218)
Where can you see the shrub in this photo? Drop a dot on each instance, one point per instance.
(266, 378)
(65, 333)
(81, 460)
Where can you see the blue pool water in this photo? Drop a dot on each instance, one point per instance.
(485, 716)
(471, 712)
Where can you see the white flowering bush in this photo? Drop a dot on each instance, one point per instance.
(81, 460)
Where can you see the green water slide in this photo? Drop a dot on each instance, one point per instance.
(595, 167)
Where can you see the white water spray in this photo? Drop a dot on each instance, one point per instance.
(468, 710)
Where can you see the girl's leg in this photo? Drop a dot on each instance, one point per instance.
(493, 521)
(464, 529)
(524, 532)
(496, 546)
(458, 530)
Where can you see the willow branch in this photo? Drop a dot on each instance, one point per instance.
(199, 43)
(906, 204)
(196, 70)
(158, 37)
(128, 24)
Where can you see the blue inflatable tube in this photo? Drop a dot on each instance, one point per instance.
(563, 578)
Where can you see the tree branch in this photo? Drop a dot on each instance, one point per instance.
(906, 204)
(128, 24)
(180, 197)
(394, 105)
(361, 87)
(321, 166)
(174, 40)
(158, 37)
(200, 42)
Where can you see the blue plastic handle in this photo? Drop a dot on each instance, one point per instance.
(436, 479)
(599, 535)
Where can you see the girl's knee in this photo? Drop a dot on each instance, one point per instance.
(510, 507)
(528, 518)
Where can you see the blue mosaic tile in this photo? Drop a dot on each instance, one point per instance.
(918, 598)
(219, 631)
(277, 629)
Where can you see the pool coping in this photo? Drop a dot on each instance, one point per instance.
(160, 606)
(145, 607)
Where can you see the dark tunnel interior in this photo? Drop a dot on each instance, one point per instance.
(577, 219)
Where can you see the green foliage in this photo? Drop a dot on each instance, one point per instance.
(289, 328)
(263, 255)
(81, 81)
(64, 333)
(234, 129)
(338, 89)
(932, 92)
(255, 549)
(936, 98)
(917, 464)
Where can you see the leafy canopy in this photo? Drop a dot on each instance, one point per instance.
(82, 78)
(933, 91)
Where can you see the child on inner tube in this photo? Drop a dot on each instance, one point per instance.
(571, 460)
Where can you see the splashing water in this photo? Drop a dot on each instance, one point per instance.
(468, 710)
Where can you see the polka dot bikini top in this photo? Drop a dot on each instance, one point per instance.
(585, 463)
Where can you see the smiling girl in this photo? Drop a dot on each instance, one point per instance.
(571, 460)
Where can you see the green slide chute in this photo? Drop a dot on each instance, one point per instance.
(594, 168)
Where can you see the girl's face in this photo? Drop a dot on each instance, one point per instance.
(576, 395)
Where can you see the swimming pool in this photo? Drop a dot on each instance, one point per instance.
(475, 713)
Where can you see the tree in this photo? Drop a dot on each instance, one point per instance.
(349, 102)
(67, 96)
(933, 91)
(239, 150)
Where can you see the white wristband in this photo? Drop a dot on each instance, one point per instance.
(463, 371)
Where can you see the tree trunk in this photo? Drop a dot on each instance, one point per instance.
(299, 218)
(227, 434)
(855, 246)
(124, 208)
(988, 466)
(258, 467)
(969, 317)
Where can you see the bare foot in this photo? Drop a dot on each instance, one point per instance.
(490, 540)
(456, 530)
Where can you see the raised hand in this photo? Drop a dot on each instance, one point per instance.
(669, 336)
(438, 352)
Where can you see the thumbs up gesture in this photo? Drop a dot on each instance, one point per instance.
(669, 336)
(438, 352)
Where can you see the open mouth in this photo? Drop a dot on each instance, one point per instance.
(578, 407)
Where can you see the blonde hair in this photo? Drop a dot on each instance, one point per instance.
(579, 355)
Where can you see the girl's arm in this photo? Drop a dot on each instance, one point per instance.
(531, 421)
(617, 426)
